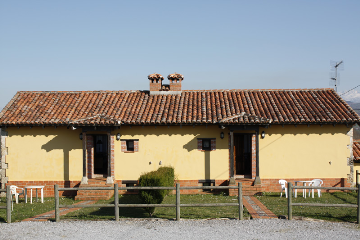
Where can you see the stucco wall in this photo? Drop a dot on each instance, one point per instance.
(39, 154)
(174, 146)
(305, 152)
(51, 154)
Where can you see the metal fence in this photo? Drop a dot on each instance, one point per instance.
(290, 203)
(177, 205)
(357, 178)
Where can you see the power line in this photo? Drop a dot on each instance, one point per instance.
(349, 90)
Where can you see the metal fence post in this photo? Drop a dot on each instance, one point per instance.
(358, 203)
(57, 210)
(116, 199)
(357, 178)
(178, 202)
(289, 201)
(8, 204)
(241, 208)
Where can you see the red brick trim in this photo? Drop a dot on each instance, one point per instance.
(124, 147)
(90, 155)
(112, 154)
(212, 144)
(253, 156)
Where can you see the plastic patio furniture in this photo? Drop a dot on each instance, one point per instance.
(283, 183)
(14, 191)
(316, 183)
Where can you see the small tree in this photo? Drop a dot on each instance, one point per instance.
(163, 177)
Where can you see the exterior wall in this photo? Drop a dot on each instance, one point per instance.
(90, 155)
(356, 167)
(172, 146)
(304, 152)
(40, 156)
(47, 154)
(3, 165)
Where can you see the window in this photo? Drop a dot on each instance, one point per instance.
(206, 144)
(130, 145)
(130, 183)
(207, 183)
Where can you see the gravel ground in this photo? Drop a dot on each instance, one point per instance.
(184, 229)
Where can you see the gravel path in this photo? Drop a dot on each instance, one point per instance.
(184, 229)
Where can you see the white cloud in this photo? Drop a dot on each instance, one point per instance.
(353, 96)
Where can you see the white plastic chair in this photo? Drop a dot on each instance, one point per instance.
(283, 184)
(316, 183)
(14, 191)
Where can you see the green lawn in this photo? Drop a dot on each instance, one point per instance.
(270, 200)
(279, 206)
(22, 211)
(164, 212)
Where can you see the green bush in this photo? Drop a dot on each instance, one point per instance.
(163, 177)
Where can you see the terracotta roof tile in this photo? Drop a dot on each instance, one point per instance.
(356, 151)
(306, 106)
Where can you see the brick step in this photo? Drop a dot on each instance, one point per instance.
(95, 194)
(82, 195)
(94, 198)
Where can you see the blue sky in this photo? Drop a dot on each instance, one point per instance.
(115, 45)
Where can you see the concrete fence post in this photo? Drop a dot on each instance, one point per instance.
(177, 202)
(116, 199)
(8, 204)
(57, 209)
(241, 208)
(289, 201)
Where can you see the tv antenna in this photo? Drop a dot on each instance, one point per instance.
(335, 78)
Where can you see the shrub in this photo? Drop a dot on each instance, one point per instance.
(163, 177)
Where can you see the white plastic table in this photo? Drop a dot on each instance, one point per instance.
(304, 190)
(35, 187)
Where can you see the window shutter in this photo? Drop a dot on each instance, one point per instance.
(123, 146)
(213, 144)
(199, 144)
(136, 146)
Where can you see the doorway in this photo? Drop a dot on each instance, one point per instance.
(242, 155)
(100, 155)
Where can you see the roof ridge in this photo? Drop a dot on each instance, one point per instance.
(190, 90)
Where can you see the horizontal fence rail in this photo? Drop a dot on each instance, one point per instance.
(177, 205)
(290, 203)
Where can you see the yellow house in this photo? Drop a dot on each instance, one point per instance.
(217, 137)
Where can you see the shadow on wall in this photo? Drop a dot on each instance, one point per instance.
(193, 145)
(62, 142)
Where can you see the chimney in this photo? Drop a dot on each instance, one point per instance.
(155, 82)
(175, 81)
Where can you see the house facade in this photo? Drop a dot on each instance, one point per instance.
(213, 137)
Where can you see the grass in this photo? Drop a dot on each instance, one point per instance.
(163, 212)
(338, 214)
(23, 211)
(271, 200)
